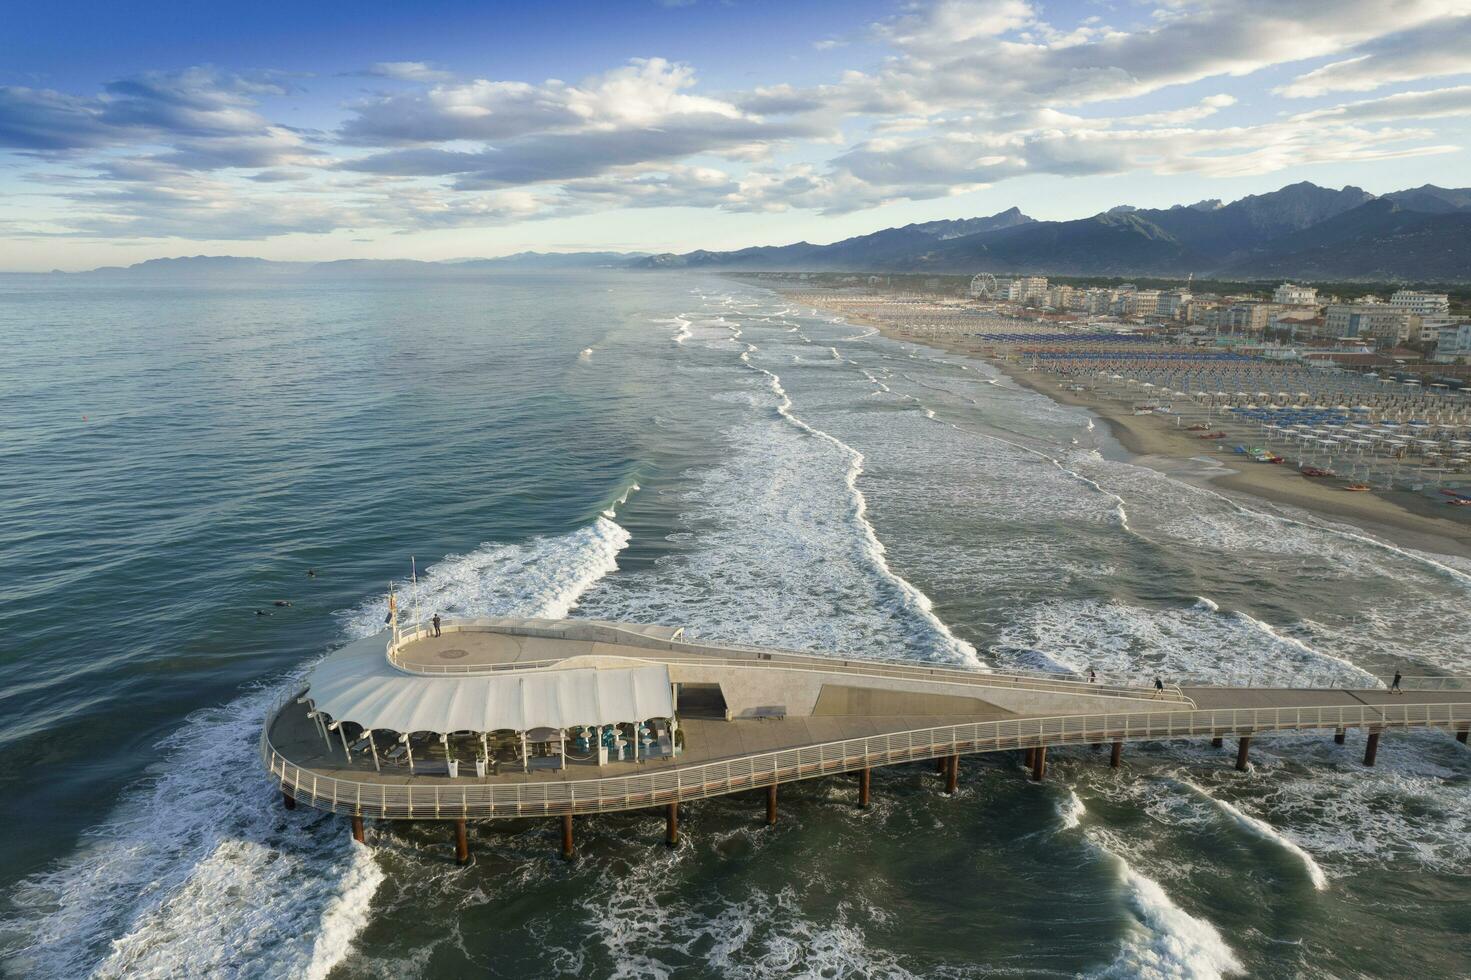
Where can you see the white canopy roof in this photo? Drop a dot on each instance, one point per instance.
(358, 684)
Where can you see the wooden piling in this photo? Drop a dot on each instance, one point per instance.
(1371, 749)
(1039, 764)
(671, 824)
(462, 843)
(1030, 758)
(952, 774)
(771, 805)
(1461, 736)
(1116, 757)
(287, 800)
(1340, 736)
(940, 765)
(1217, 742)
(1242, 748)
(357, 827)
(865, 782)
(567, 849)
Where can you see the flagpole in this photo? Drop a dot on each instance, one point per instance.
(393, 612)
(414, 571)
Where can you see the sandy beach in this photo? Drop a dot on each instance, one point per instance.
(1402, 518)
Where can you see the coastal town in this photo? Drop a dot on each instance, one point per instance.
(1406, 334)
(1364, 399)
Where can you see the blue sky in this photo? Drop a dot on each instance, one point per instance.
(441, 130)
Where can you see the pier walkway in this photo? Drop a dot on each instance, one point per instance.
(778, 717)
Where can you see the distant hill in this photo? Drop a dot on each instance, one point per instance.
(194, 266)
(1433, 199)
(1301, 230)
(851, 254)
(1380, 240)
(234, 266)
(551, 260)
(1113, 243)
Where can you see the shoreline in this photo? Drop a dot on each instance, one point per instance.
(1398, 518)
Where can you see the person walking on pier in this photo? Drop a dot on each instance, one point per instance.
(1092, 676)
(435, 621)
(1159, 688)
(1394, 687)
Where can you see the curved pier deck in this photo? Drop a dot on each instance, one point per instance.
(780, 717)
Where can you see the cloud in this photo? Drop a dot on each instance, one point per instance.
(1437, 48)
(196, 102)
(563, 156)
(676, 186)
(947, 24)
(1050, 143)
(639, 113)
(959, 55)
(194, 206)
(1435, 103)
(42, 119)
(645, 92)
(408, 71)
(965, 94)
(1203, 109)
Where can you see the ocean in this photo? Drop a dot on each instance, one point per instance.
(688, 451)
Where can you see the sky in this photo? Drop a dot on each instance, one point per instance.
(325, 130)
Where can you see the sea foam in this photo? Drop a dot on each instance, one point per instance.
(911, 598)
(198, 870)
(1267, 832)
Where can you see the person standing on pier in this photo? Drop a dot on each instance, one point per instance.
(1159, 687)
(435, 621)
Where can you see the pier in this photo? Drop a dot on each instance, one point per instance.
(514, 718)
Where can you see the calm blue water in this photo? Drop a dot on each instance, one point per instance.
(690, 451)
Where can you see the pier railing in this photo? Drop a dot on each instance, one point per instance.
(1348, 677)
(668, 652)
(1431, 683)
(445, 798)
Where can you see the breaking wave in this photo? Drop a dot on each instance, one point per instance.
(198, 870)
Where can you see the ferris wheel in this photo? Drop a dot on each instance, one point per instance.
(983, 286)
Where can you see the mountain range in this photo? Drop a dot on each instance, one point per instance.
(1302, 230)
(234, 266)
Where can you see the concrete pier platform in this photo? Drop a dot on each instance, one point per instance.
(749, 718)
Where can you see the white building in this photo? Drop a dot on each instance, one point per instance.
(1430, 327)
(1028, 289)
(1172, 303)
(1387, 324)
(1288, 294)
(1060, 297)
(1454, 343)
(1140, 303)
(1421, 304)
(1094, 300)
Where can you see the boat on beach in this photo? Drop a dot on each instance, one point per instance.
(1260, 455)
